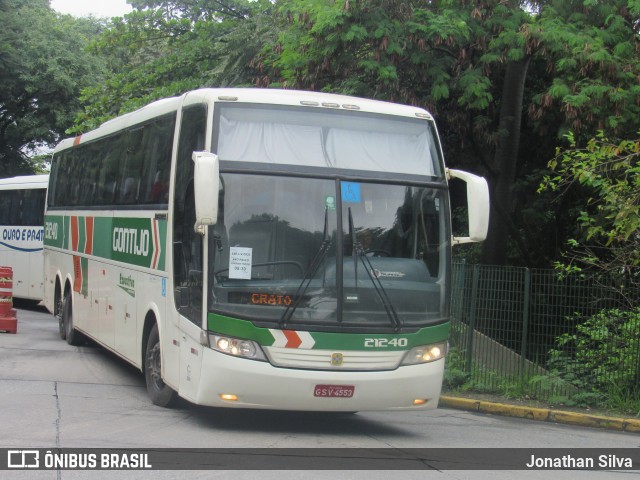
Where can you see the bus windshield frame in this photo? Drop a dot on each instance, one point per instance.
(305, 245)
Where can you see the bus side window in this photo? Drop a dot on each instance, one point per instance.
(58, 171)
(154, 186)
(5, 207)
(129, 178)
(109, 167)
(33, 207)
(91, 163)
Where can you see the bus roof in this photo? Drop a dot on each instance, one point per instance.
(24, 182)
(246, 95)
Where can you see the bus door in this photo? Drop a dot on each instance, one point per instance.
(188, 250)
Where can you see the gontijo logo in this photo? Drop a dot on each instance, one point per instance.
(137, 241)
(132, 241)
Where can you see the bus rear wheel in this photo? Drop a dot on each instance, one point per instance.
(160, 393)
(71, 334)
(60, 318)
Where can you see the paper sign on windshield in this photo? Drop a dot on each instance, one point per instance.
(240, 263)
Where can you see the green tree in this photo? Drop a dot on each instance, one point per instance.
(165, 48)
(607, 172)
(471, 64)
(43, 66)
(505, 79)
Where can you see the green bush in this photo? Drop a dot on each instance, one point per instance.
(602, 355)
(455, 375)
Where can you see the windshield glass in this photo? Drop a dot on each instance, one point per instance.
(327, 138)
(394, 246)
(320, 253)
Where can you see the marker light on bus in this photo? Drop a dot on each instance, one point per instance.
(229, 397)
(236, 347)
(426, 353)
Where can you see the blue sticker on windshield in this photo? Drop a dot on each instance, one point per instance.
(351, 192)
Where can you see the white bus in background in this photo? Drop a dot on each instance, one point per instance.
(261, 249)
(22, 232)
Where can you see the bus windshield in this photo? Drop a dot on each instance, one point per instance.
(283, 252)
(292, 251)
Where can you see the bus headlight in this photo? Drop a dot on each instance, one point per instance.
(236, 347)
(426, 353)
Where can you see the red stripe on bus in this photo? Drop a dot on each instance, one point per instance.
(293, 340)
(88, 248)
(74, 234)
(156, 244)
(77, 275)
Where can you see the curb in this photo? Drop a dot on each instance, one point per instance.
(542, 414)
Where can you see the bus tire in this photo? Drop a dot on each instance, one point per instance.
(71, 334)
(60, 318)
(160, 393)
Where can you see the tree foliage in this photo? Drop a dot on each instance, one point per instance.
(164, 48)
(594, 62)
(607, 173)
(482, 67)
(506, 79)
(43, 66)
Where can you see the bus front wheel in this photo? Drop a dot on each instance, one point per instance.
(161, 394)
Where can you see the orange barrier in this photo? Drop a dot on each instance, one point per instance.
(6, 290)
(8, 316)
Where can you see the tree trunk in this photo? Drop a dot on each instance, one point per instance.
(505, 163)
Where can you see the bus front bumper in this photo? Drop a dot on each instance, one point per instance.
(241, 383)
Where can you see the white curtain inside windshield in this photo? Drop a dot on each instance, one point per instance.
(327, 139)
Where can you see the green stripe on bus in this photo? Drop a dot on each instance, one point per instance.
(380, 342)
(55, 231)
(239, 328)
(135, 241)
(132, 241)
(328, 340)
(102, 237)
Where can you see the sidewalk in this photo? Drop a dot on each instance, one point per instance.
(542, 414)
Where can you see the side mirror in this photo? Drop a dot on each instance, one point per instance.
(206, 180)
(477, 204)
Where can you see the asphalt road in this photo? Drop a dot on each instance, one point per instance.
(53, 395)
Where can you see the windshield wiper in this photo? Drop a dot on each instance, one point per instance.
(309, 274)
(359, 254)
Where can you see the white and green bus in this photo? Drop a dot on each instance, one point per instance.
(261, 249)
(22, 233)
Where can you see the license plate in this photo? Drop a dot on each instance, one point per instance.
(334, 391)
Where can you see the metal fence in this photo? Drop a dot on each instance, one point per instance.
(508, 325)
